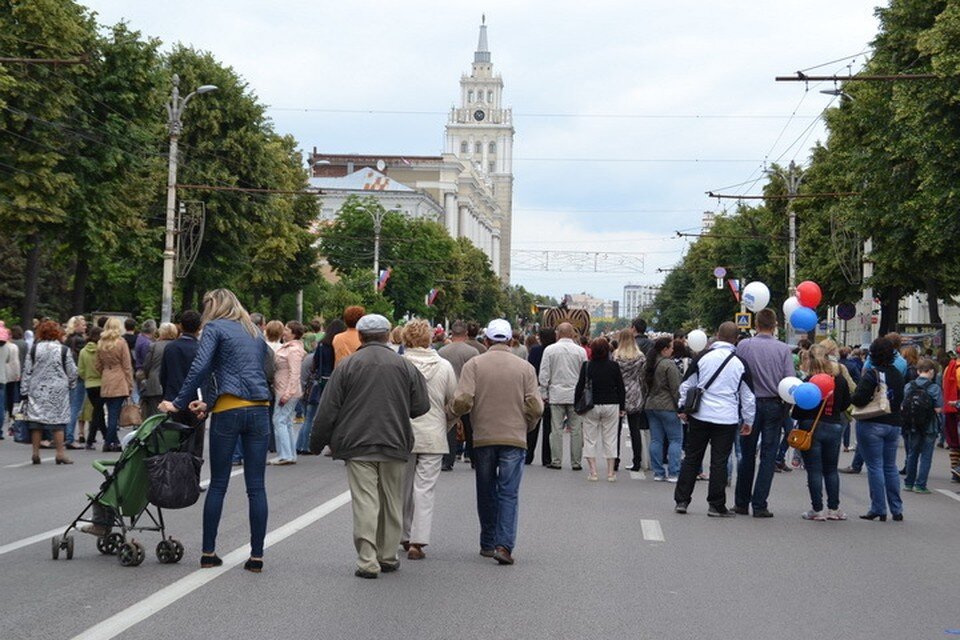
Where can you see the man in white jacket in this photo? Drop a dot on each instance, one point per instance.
(559, 372)
(727, 405)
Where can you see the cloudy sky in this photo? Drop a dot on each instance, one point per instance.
(626, 112)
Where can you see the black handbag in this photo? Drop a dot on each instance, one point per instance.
(174, 479)
(694, 395)
(584, 402)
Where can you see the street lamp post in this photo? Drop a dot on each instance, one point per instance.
(377, 216)
(793, 179)
(175, 109)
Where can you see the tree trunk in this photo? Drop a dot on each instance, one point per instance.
(81, 274)
(889, 309)
(933, 304)
(189, 293)
(31, 281)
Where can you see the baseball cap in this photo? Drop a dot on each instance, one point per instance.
(373, 323)
(499, 330)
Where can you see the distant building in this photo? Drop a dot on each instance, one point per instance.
(598, 307)
(392, 195)
(637, 298)
(706, 222)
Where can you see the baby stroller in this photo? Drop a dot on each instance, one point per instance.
(124, 495)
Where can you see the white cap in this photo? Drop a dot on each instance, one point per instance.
(499, 330)
(373, 323)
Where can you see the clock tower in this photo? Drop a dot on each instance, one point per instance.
(480, 135)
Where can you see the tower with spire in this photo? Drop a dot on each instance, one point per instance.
(480, 133)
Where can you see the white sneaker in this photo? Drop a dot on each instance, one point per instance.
(672, 479)
(659, 479)
(836, 514)
(813, 515)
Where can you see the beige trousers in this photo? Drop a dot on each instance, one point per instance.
(420, 480)
(600, 430)
(376, 492)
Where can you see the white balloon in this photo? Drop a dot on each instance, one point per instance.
(756, 295)
(790, 305)
(786, 388)
(697, 340)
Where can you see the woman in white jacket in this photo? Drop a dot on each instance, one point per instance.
(429, 438)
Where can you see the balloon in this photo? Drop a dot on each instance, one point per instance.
(756, 295)
(807, 396)
(803, 319)
(790, 305)
(824, 382)
(787, 387)
(697, 340)
(808, 293)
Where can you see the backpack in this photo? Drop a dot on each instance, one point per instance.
(917, 409)
(63, 356)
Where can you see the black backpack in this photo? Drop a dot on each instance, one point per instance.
(917, 409)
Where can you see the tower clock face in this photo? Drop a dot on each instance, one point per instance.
(478, 115)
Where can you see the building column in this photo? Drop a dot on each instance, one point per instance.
(463, 221)
(495, 259)
(450, 213)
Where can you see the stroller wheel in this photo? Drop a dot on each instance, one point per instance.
(166, 553)
(102, 546)
(141, 553)
(55, 547)
(178, 550)
(69, 541)
(130, 554)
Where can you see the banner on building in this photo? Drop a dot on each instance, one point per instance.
(923, 336)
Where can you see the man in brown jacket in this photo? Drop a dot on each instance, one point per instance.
(501, 394)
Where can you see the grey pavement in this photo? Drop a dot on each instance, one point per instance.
(583, 566)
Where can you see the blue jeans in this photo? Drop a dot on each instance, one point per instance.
(770, 418)
(784, 445)
(303, 438)
(499, 470)
(251, 426)
(283, 429)
(665, 424)
(878, 442)
(919, 459)
(77, 395)
(114, 405)
(821, 462)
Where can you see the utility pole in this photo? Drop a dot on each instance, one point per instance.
(377, 227)
(175, 110)
(793, 179)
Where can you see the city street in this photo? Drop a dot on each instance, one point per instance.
(593, 559)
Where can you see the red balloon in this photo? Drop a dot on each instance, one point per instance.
(824, 382)
(809, 294)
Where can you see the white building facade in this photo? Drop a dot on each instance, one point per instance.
(637, 298)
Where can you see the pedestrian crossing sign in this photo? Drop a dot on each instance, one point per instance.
(744, 320)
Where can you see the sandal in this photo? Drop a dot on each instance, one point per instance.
(592, 477)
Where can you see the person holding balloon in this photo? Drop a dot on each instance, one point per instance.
(825, 394)
(879, 435)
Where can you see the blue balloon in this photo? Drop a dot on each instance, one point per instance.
(807, 395)
(804, 319)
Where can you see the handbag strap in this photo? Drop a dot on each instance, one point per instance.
(823, 405)
(717, 372)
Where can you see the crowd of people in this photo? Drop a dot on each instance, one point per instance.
(400, 405)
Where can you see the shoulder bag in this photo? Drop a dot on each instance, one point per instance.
(584, 402)
(694, 395)
(801, 439)
(878, 406)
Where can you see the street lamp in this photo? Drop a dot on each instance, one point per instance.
(175, 109)
(377, 216)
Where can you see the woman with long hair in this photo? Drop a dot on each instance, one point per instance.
(321, 368)
(609, 407)
(661, 388)
(631, 361)
(821, 459)
(115, 367)
(232, 354)
(150, 374)
(48, 375)
(287, 391)
(429, 438)
(877, 437)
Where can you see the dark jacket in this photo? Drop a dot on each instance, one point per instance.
(228, 361)
(836, 404)
(868, 384)
(175, 364)
(607, 382)
(367, 405)
(535, 357)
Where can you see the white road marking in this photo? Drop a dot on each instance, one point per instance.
(46, 535)
(28, 463)
(40, 537)
(949, 494)
(652, 531)
(117, 624)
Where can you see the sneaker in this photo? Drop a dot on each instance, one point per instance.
(592, 477)
(672, 479)
(908, 487)
(836, 514)
(659, 478)
(611, 478)
(781, 467)
(681, 507)
(813, 515)
(762, 513)
(741, 511)
(849, 470)
(955, 471)
(576, 467)
(714, 512)
(922, 490)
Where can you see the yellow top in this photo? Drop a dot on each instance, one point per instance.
(226, 402)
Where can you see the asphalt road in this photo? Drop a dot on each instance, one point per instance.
(593, 560)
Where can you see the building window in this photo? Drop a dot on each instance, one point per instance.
(470, 96)
(463, 147)
(480, 95)
(492, 167)
(478, 147)
(489, 96)
(493, 147)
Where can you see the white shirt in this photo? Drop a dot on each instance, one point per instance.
(560, 370)
(730, 399)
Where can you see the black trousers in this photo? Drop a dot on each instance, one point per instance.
(636, 422)
(720, 439)
(542, 425)
(97, 424)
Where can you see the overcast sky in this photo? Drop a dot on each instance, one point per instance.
(690, 81)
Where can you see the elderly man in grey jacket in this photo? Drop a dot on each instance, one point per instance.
(364, 415)
(559, 372)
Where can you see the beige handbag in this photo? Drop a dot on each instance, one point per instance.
(878, 406)
(130, 414)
